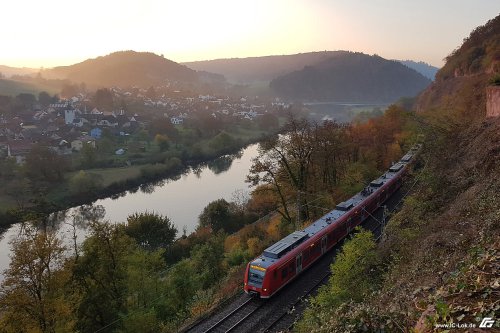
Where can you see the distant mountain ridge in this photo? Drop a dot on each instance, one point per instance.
(260, 69)
(350, 76)
(423, 68)
(124, 68)
(325, 75)
(8, 71)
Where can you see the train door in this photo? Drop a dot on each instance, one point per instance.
(298, 260)
(323, 244)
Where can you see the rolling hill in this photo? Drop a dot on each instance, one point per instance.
(259, 69)
(14, 87)
(349, 76)
(8, 71)
(423, 68)
(460, 84)
(124, 68)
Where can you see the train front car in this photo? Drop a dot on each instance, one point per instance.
(255, 278)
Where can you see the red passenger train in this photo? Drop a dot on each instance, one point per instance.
(283, 261)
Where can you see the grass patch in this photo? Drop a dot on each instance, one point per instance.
(14, 88)
(6, 202)
(113, 175)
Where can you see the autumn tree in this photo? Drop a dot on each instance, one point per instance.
(45, 164)
(165, 127)
(218, 215)
(100, 277)
(20, 189)
(32, 293)
(84, 183)
(331, 153)
(151, 231)
(26, 99)
(207, 261)
(286, 161)
(44, 98)
(103, 99)
(162, 141)
(147, 293)
(88, 155)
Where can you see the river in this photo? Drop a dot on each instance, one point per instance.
(181, 199)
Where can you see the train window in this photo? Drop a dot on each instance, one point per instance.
(275, 274)
(256, 277)
(284, 272)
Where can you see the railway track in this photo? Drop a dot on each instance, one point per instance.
(280, 313)
(285, 320)
(235, 318)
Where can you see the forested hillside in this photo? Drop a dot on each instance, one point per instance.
(260, 69)
(438, 261)
(350, 77)
(423, 68)
(126, 68)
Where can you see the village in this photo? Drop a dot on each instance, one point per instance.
(67, 125)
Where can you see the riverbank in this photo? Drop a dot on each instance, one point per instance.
(116, 181)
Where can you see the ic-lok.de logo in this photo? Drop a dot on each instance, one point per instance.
(487, 322)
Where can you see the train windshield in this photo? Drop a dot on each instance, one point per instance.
(256, 276)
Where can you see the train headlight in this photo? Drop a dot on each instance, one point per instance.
(265, 289)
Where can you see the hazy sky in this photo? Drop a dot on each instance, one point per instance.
(60, 32)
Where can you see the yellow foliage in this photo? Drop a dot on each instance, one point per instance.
(273, 227)
(254, 246)
(231, 242)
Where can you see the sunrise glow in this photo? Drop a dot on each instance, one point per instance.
(57, 32)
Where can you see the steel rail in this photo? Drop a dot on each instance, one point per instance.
(232, 314)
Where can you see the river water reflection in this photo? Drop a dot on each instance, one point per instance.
(181, 199)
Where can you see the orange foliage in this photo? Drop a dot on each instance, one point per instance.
(231, 242)
(255, 246)
(273, 227)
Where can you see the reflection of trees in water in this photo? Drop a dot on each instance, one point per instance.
(76, 218)
(221, 164)
(82, 217)
(198, 169)
(177, 177)
(149, 188)
(118, 195)
(238, 155)
(85, 214)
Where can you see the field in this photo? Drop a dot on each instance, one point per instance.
(13, 88)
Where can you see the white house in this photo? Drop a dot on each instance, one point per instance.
(95, 111)
(76, 145)
(79, 122)
(176, 120)
(69, 116)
